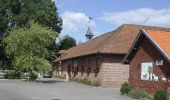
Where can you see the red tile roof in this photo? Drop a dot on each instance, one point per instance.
(162, 39)
(116, 42)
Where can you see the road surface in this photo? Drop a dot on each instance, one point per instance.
(60, 90)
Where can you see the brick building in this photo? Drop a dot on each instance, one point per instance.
(149, 60)
(100, 59)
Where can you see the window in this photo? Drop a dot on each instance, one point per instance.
(75, 63)
(89, 63)
(97, 65)
(97, 62)
(146, 71)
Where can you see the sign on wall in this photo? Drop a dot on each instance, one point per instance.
(146, 71)
(159, 62)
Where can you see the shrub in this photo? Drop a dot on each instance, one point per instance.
(137, 94)
(12, 75)
(86, 82)
(125, 88)
(33, 76)
(149, 97)
(50, 72)
(96, 84)
(144, 94)
(160, 95)
(25, 76)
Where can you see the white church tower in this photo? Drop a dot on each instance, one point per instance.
(89, 33)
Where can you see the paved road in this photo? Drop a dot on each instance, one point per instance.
(20, 90)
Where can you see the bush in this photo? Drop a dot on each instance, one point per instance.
(160, 95)
(125, 88)
(12, 75)
(149, 97)
(137, 94)
(50, 72)
(33, 76)
(87, 82)
(96, 84)
(25, 76)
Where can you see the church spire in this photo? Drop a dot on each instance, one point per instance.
(89, 33)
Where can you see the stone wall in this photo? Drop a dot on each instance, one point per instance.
(114, 74)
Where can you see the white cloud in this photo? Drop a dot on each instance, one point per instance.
(74, 21)
(145, 16)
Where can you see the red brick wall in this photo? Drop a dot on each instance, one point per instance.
(148, 53)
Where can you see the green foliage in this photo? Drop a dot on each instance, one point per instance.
(52, 50)
(5, 62)
(125, 88)
(32, 41)
(160, 95)
(25, 76)
(28, 48)
(11, 75)
(137, 94)
(33, 75)
(96, 84)
(66, 43)
(50, 72)
(32, 63)
(149, 97)
(20, 12)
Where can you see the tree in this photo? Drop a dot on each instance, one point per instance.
(19, 13)
(29, 48)
(66, 43)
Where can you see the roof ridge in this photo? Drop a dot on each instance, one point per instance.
(157, 29)
(145, 25)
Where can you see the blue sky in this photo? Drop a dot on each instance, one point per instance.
(109, 14)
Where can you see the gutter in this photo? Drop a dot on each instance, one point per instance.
(95, 53)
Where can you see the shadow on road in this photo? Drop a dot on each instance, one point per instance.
(49, 81)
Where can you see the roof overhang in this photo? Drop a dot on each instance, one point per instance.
(143, 32)
(90, 54)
